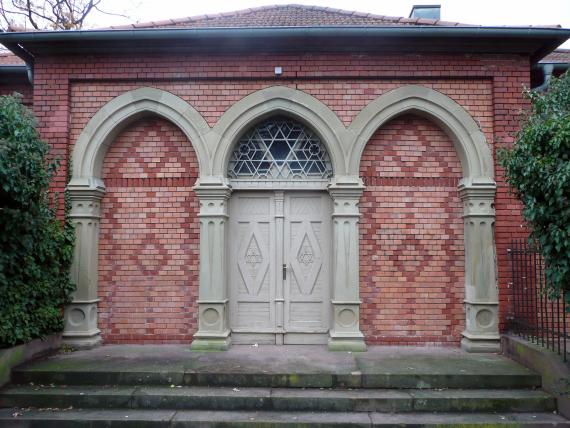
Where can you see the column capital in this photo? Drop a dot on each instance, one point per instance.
(478, 200)
(346, 187)
(212, 187)
(86, 199)
(86, 187)
(485, 189)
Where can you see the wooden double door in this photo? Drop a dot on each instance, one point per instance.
(279, 275)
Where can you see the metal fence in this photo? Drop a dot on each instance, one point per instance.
(536, 318)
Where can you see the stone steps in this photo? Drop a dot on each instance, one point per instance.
(274, 387)
(355, 379)
(98, 418)
(278, 399)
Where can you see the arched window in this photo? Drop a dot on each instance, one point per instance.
(280, 149)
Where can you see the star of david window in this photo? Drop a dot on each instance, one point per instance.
(280, 149)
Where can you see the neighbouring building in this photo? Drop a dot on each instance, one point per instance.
(285, 174)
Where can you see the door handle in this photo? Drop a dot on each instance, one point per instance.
(284, 271)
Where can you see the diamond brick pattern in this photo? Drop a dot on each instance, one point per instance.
(149, 242)
(411, 248)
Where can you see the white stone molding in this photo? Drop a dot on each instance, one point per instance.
(80, 328)
(345, 332)
(470, 144)
(213, 323)
(91, 146)
(481, 292)
(273, 101)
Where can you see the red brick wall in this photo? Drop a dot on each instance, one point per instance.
(69, 90)
(411, 243)
(8, 88)
(148, 248)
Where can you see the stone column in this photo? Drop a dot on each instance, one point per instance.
(481, 293)
(213, 324)
(80, 328)
(345, 333)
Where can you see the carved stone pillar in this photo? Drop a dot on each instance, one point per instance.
(345, 333)
(213, 324)
(481, 293)
(80, 328)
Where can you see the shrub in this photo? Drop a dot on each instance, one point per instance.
(538, 168)
(36, 248)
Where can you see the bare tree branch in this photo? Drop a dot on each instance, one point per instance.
(110, 13)
(49, 14)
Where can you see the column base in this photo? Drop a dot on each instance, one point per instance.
(475, 344)
(211, 342)
(82, 342)
(346, 342)
(80, 330)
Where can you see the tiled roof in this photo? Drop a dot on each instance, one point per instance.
(8, 58)
(290, 15)
(558, 56)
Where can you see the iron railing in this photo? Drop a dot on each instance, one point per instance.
(535, 317)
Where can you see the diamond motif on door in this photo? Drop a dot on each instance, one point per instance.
(253, 255)
(252, 265)
(307, 265)
(306, 254)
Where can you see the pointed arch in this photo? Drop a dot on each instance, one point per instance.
(273, 101)
(91, 146)
(470, 143)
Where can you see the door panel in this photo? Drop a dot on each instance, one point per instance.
(252, 270)
(307, 234)
(270, 231)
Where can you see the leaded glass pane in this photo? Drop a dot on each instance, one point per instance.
(280, 149)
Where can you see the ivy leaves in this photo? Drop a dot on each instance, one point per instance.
(36, 248)
(538, 168)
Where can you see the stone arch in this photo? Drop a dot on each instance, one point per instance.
(110, 119)
(86, 190)
(476, 190)
(279, 100)
(470, 143)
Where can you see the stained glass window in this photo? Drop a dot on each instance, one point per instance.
(280, 149)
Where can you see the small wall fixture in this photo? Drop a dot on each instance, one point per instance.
(278, 71)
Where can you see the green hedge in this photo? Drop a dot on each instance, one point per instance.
(538, 169)
(36, 248)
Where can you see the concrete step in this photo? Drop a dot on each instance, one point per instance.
(279, 399)
(98, 418)
(279, 367)
(355, 379)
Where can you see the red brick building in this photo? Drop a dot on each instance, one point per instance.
(286, 174)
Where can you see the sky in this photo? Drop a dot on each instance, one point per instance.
(484, 12)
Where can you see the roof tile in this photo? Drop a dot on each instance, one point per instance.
(291, 15)
(8, 58)
(559, 56)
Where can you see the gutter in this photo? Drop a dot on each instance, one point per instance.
(207, 33)
(547, 70)
(328, 31)
(25, 55)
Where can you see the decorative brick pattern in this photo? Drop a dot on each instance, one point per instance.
(149, 241)
(411, 243)
(69, 90)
